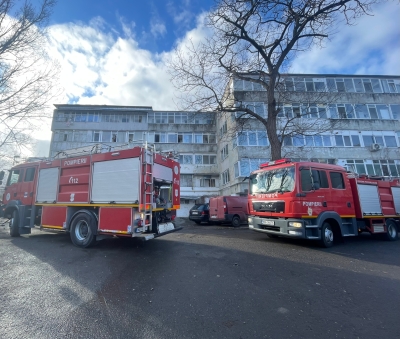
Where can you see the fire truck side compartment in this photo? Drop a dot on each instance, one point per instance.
(116, 181)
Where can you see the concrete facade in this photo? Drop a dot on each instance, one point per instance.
(359, 115)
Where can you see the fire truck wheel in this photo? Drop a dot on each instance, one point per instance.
(326, 235)
(391, 233)
(82, 231)
(236, 221)
(14, 227)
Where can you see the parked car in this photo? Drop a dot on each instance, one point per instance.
(229, 209)
(200, 213)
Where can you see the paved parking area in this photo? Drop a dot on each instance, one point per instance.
(206, 281)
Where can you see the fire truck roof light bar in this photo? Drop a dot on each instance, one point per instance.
(276, 162)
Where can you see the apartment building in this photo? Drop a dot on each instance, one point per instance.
(349, 120)
(190, 137)
(352, 121)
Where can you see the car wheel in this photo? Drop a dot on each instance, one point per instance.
(391, 231)
(14, 224)
(235, 221)
(326, 235)
(83, 230)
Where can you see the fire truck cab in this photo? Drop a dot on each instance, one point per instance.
(104, 193)
(321, 202)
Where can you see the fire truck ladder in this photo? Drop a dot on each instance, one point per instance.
(147, 172)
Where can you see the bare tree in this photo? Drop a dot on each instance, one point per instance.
(27, 75)
(255, 41)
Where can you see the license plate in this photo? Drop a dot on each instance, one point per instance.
(213, 216)
(268, 222)
(195, 212)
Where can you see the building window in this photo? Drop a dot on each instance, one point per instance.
(348, 83)
(93, 117)
(96, 136)
(60, 117)
(395, 111)
(251, 138)
(377, 167)
(355, 139)
(172, 137)
(367, 86)
(298, 140)
(223, 129)
(186, 180)
(224, 152)
(372, 139)
(188, 138)
(186, 159)
(225, 177)
(207, 182)
(245, 166)
(106, 136)
(390, 141)
(289, 85)
(340, 85)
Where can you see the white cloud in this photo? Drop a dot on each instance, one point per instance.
(102, 68)
(157, 27)
(371, 46)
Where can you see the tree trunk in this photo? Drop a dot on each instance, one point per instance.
(276, 145)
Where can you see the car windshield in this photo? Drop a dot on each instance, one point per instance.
(274, 180)
(199, 207)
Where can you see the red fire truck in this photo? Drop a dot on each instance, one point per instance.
(322, 202)
(94, 195)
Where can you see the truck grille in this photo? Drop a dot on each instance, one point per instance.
(269, 206)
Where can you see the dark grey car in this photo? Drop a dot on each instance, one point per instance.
(200, 213)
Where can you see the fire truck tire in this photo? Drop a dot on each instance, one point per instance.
(391, 233)
(14, 224)
(83, 230)
(326, 235)
(236, 221)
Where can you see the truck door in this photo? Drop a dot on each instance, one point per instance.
(12, 189)
(27, 186)
(342, 198)
(315, 192)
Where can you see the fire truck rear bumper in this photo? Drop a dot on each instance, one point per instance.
(167, 232)
(291, 228)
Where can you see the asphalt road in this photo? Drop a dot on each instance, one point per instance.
(202, 282)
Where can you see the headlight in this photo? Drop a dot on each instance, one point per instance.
(295, 224)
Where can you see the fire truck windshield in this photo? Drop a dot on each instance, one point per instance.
(274, 180)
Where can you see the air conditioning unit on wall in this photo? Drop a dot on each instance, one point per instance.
(375, 147)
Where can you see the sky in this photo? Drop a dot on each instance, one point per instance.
(114, 51)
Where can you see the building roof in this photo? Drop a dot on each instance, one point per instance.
(322, 75)
(76, 107)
